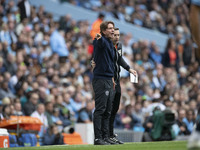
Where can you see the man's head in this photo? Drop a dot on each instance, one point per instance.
(49, 106)
(40, 108)
(116, 36)
(34, 97)
(90, 105)
(101, 16)
(107, 29)
(17, 106)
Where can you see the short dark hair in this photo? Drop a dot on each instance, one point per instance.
(104, 26)
(101, 15)
(116, 28)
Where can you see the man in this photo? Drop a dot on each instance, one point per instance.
(117, 93)
(96, 25)
(103, 82)
(85, 114)
(195, 23)
(30, 106)
(40, 114)
(25, 9)
(119, 61)
(194, 140)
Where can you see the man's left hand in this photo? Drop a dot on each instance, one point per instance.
(133, 71)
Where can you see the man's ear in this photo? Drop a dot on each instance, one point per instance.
(104, 32)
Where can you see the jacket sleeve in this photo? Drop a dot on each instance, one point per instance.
(122, 63)
(98, 43)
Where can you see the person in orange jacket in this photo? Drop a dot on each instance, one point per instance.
(96, 25)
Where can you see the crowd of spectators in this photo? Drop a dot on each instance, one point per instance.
(45, 68)
(166, 16)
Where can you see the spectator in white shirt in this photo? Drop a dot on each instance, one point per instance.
(39, 113)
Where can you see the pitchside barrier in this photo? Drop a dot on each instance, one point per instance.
(87, 133)
(129, 136)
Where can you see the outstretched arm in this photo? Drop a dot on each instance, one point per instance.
(122, 63)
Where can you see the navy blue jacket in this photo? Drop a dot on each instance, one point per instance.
(104, 58)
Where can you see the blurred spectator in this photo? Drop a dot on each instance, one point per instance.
(16, 81)
(25, 9)
(156, 55)
(188, 52)
(53, 137)
(194, 24)
(5, 91)
(85, 114)
(56, 119)
(49, 112)
(4, 35)
(65, 22)
(182, 76)
(38, 35)
(96, 25)
(118, 122)
(30, 105)
(156, 15)
(158, 80)
(2, 67)
(24, 93)
(17, 109)
(57, 42)
(63, 114)
(155, 103)
(6, 112)
(148, 125)
(77, 103)
(183, 130)
(10, 64)
(170, 57)
(128, 119)
(46, 51)
(40, 114)
(126, 45)
(11, 28)
(42, 95)
(189, 120)
(138, 117)
(6, 101)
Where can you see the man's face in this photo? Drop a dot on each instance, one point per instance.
(34, 98)
(116, 36)
(41, 109)
(109, 32)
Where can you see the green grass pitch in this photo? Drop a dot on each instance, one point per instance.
(172, 145)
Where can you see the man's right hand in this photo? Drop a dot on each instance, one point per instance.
(92, 63)
(114, 83)
(98, 36)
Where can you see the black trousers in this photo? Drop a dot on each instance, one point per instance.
(103, 90)
(115, 107)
